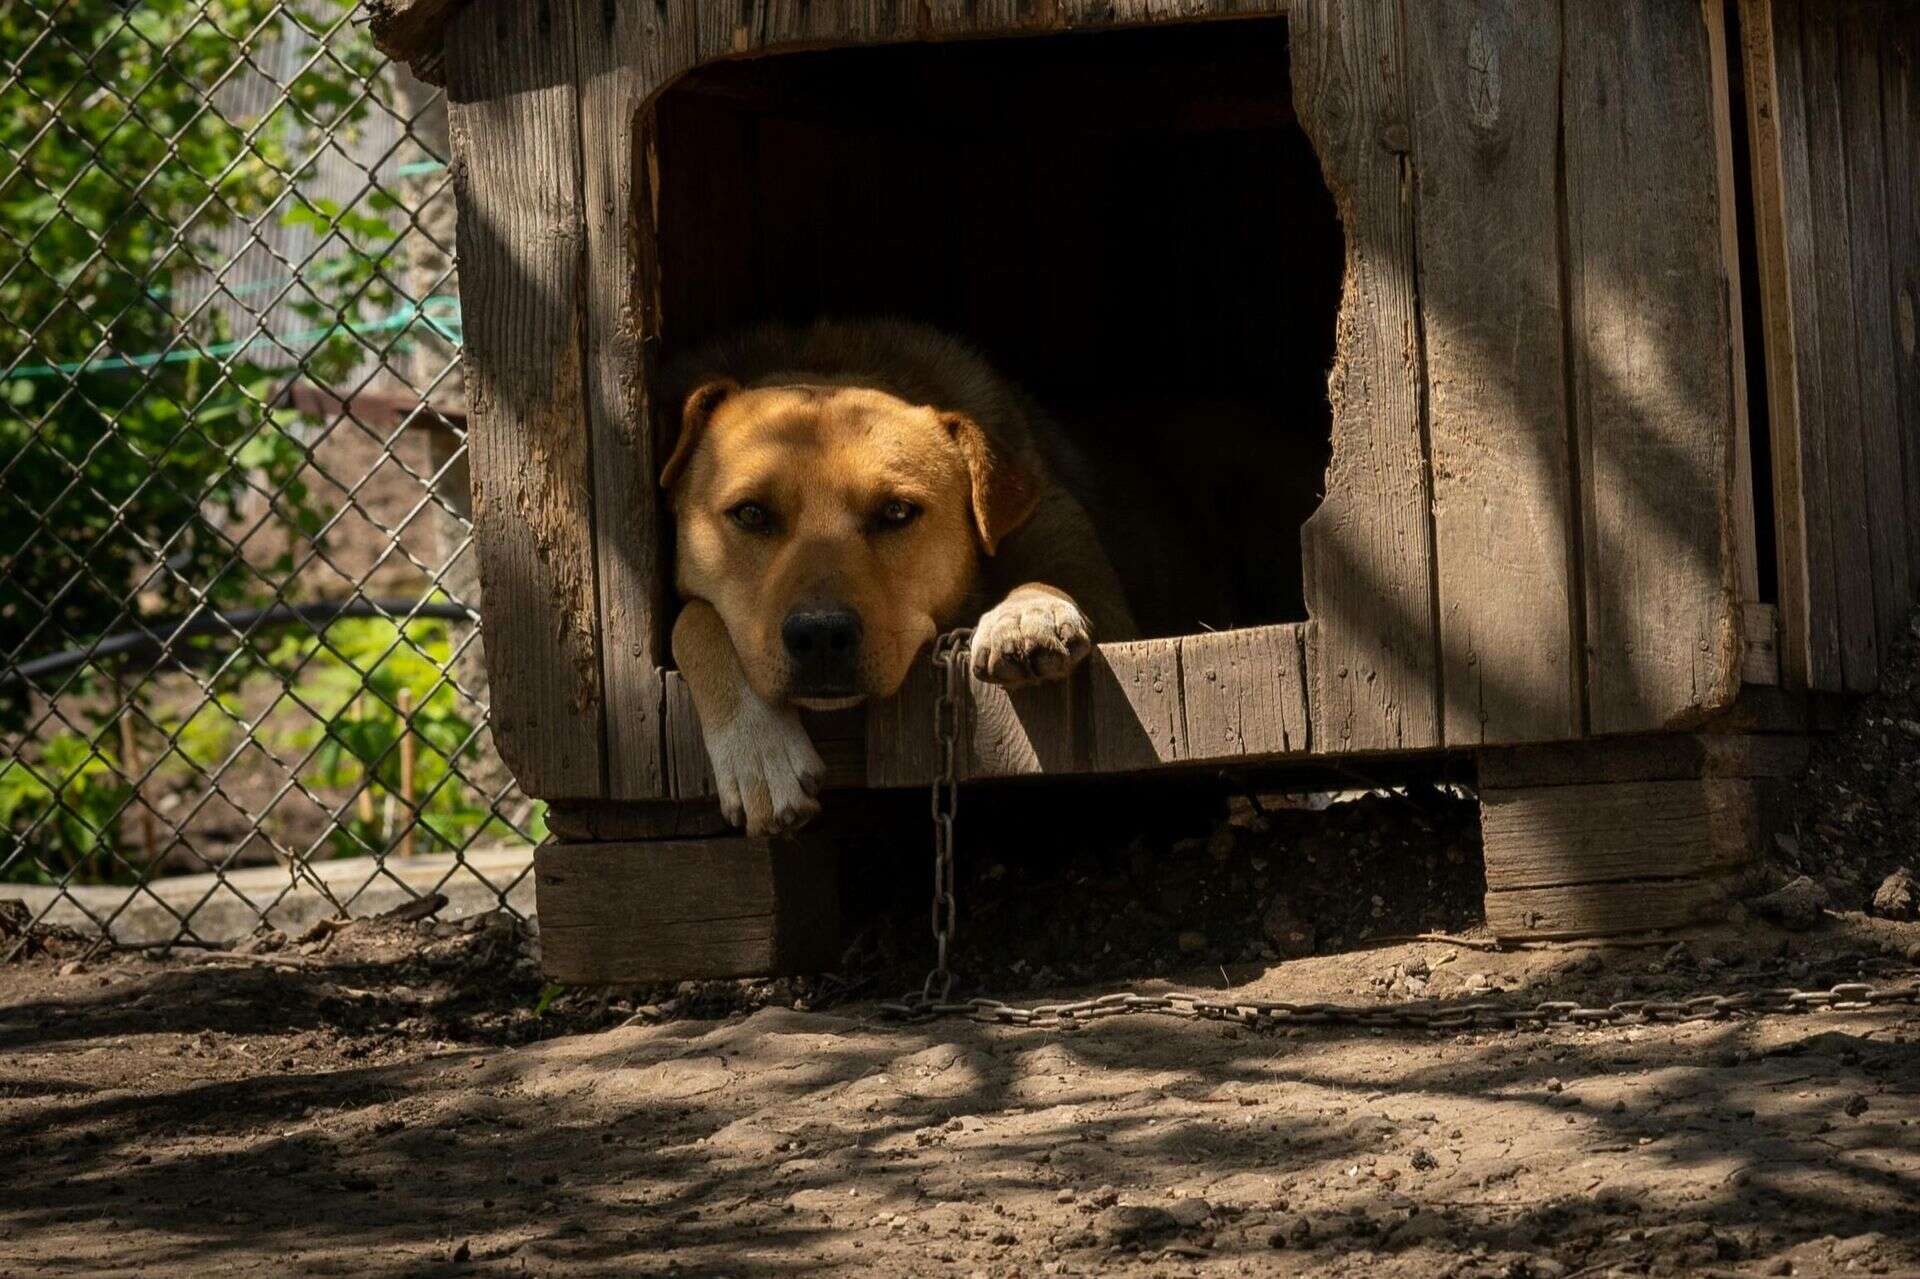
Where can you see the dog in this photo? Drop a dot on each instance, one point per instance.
(844, 492)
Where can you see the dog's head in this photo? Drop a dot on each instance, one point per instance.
(833, 528)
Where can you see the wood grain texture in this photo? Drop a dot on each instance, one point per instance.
(1651, 365)
(1244, 692)
(1838, 350)
(514, 126)
(1483, 92)
(689, 771)
(667, 910)
(1368, 550)
(1745, 530)
(620, 320)
(1138, 716)
(1608, 910)
(1863, 30)
(1760, 643)
(1900, 113)
(1230, 696)
(1548, 836)
(1787, 253)
(1664, 757)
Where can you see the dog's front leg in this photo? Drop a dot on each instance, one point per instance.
(764, 766)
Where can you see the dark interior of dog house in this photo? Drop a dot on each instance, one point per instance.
(1131, 224)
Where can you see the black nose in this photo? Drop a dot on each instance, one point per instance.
(824, 644)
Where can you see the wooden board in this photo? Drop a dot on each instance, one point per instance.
(1602, 910)
(1787, 253)
(620, 322)
(1900, 112)
(1665, 757)
(666, 910)
(1651, 365)
(514, 126)
(1227, 697)
(1483, 93)
(1550, 836)
(1368, 550)
(1837, 351)
(1244, 692)
(1760, 637)
(1862, 33)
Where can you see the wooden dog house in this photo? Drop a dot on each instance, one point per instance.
(1623, 413)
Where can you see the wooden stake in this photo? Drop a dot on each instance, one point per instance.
(406, 771)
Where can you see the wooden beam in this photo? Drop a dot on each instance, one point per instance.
(667, 910)
(1652, 369)
(1483, 92)
(1862, 32)
(1785, 244)
(1900, 113)
(516, 175)
(1838, 406)
(622, 326)
(1368, 550)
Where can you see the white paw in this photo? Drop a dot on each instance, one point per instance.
(1030, 636)
(765, 769)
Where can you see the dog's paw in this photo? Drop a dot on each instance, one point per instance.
(765, 768)
(1034, 634)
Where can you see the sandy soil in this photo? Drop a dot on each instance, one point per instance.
(399, 1104)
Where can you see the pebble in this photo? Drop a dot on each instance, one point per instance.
(1898, 896)
(1856, 1105)
(1190, 1212)
(1797, 907)
(1125, 1224)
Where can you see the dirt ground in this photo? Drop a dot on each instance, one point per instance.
(404, 1097)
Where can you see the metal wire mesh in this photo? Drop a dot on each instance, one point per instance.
(241, 672)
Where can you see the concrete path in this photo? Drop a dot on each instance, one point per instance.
(229, 906)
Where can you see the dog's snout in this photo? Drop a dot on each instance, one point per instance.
(824, 645)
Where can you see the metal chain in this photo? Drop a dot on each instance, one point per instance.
(949, 668)
(934, 998)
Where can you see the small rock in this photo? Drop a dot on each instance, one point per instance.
(1190, 1213)
(1104, 1197)
(1779, 1266)
(1856, 1105)
(1423, 1160)
(1898, 896)
(1126, 1224)
(1797, 907)
(1291, 936)
(462, 1254)
(1554, 1085)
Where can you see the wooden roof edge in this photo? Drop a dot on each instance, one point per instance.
(413, 32)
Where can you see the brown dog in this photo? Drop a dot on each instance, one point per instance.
(842, 494)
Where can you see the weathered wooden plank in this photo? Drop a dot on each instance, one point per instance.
(689, 771)
(1788, 261)
(514, 126)
(1662, 757)
(1548, 836)
(1760, 640)
(1862, 32)
(1650, 362)
(1244, 693)
(1137, 718)
(1746, 549)
(1573, 911)
(1368, 550)
(1483, 90)
(664, 910)
(621, 327)
(1838, 350)
(1900, 112)
(587, 821)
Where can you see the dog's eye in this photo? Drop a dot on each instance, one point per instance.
(752, 517)
(897, 514)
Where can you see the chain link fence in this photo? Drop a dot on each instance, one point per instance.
(242, 680)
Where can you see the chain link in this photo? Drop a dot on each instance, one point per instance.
(934, 999)
(949, 668)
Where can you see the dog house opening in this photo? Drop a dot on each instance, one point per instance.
(1130, 224)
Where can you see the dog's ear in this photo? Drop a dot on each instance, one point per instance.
(694, 416)
(1005, 493)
